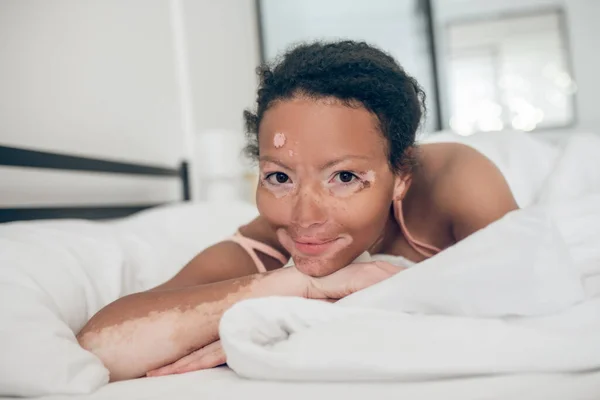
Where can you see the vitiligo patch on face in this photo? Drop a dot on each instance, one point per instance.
(279, 195)
(370, 176)
(366, 181)
(279, 140)
(291, 153)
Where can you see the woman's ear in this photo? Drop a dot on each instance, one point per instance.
(401, 184)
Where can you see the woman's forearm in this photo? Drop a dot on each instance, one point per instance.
(147, 330)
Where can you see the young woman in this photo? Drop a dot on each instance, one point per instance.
(340, 174)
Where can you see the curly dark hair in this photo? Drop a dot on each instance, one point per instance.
(355, 73)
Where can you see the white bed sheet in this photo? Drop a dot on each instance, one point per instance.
(222, 383)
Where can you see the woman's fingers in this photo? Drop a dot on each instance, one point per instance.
(212, 357)
(207, 357)
(165, 370)
(171, 368)
(351, 279)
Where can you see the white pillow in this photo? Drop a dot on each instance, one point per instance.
(159, 242)
(55, 275)
(577, 172)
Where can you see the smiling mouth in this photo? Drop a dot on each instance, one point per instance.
(314, 248)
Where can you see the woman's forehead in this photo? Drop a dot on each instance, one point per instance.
(317, 127)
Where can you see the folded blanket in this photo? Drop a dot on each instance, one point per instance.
(508, 299)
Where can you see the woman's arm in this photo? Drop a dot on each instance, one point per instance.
(147, 330)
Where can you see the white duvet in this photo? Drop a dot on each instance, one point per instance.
(519, 297)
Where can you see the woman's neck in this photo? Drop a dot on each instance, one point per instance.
(385, 243)
(392, 240)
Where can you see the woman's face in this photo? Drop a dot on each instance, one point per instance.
(325, 182)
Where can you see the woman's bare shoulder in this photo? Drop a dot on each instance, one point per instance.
(465, 185)
(449, 162)
(227, 260)
(435, 160)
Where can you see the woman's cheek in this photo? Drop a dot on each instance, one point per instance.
(276, 190)
(275, 210)
(363, 217)
(343, 191)
(262, 200)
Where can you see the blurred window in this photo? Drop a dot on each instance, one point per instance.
(509, 73)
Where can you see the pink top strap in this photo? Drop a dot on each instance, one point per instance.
(251, 246)
(424, 249)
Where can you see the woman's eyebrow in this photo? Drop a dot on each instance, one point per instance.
(339, 160)
(328, 164)
(274, 161)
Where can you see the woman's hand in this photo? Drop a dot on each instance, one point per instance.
(349, 279)
(209, 356)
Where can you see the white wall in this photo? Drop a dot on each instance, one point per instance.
(582, 16)
(130, 80)
(223, 53)
(94, 78)
(223, 48)
(583, 27)
(90, 77)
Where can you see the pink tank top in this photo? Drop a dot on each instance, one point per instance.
(423, 249)
(252, 246)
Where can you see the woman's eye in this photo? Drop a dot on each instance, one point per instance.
(278, 177)
(346, 177)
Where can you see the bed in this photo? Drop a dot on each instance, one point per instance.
(59, 265)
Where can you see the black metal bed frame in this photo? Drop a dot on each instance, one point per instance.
(18, 157)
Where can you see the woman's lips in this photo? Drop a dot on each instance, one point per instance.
(314, 248)
(309, 246)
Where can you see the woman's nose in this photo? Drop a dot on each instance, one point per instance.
(309, 209)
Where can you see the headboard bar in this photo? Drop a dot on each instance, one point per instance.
(17, 157)
(84, 212)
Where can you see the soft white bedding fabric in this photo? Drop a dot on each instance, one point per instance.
(222, 383)
(55, 275)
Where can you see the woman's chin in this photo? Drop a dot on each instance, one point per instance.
(316, 267)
